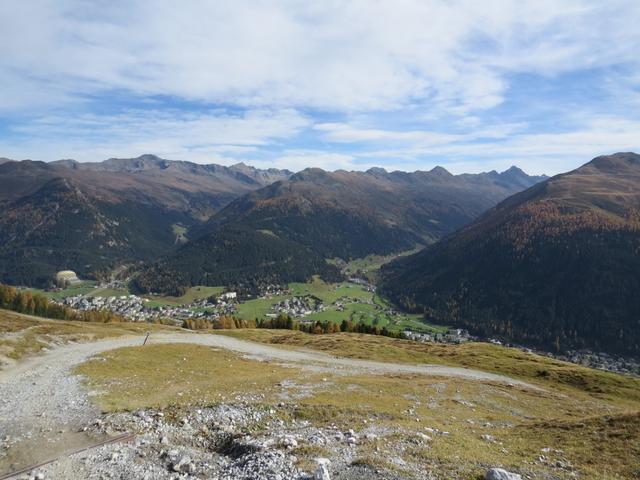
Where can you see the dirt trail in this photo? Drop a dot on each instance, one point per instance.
(43, 404)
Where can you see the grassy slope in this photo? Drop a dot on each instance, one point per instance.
(597, 431)
(329, 293)
(23, 335)
(483, 356)
(178, 376)
(371, 264)
(83, 288)
(191, 295)
(591, 416)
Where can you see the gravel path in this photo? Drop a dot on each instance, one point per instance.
(42, 404)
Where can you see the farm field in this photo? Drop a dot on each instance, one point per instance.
(343, 301)
(192, 294)
(368, 266)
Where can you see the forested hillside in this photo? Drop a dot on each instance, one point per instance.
(232, 256)
(557, 265)
(92, 217)
(321, 215)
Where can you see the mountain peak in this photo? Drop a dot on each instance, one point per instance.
(616, 162)
(311, 173)
(240, 166)
(377, 171)
(441, 171)
(513, 170)
(149, 157)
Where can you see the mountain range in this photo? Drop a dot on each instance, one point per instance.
(286, 231)
(92, 217)
(557, 265)
(209, 223)
(551, 262)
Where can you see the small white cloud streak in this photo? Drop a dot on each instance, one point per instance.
(345, 133)
(202, 137)
(542, 153)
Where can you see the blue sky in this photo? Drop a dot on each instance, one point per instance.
(472, 86)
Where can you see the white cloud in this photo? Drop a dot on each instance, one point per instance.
(536, 153)
(204, 137)
(345, 55)
(66, 64)
(297, 160)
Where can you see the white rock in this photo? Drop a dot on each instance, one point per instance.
(289, 442)
(501, 474)
(181, 463)
(322, 473)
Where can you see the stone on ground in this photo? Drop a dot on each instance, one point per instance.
(501, 474)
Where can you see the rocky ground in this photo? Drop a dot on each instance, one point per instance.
(45, 412)
(232, 442)
(214, 443)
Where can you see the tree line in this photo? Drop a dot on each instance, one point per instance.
(36, 304)
(285, 322)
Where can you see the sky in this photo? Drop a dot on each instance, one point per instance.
(401, 84)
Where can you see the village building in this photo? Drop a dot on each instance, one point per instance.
(65, 278)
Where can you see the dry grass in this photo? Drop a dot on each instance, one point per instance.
(536, 369)
(24, 335)
(598, 436)
(177, 374)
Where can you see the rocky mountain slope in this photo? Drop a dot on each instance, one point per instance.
(317, 214)
(556, 265)
(91, 216)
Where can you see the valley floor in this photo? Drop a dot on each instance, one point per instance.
(266, 404)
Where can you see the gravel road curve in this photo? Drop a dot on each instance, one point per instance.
(42, 403)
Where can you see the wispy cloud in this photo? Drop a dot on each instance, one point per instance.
(539, 153)
(175, 134)
(256, 80)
